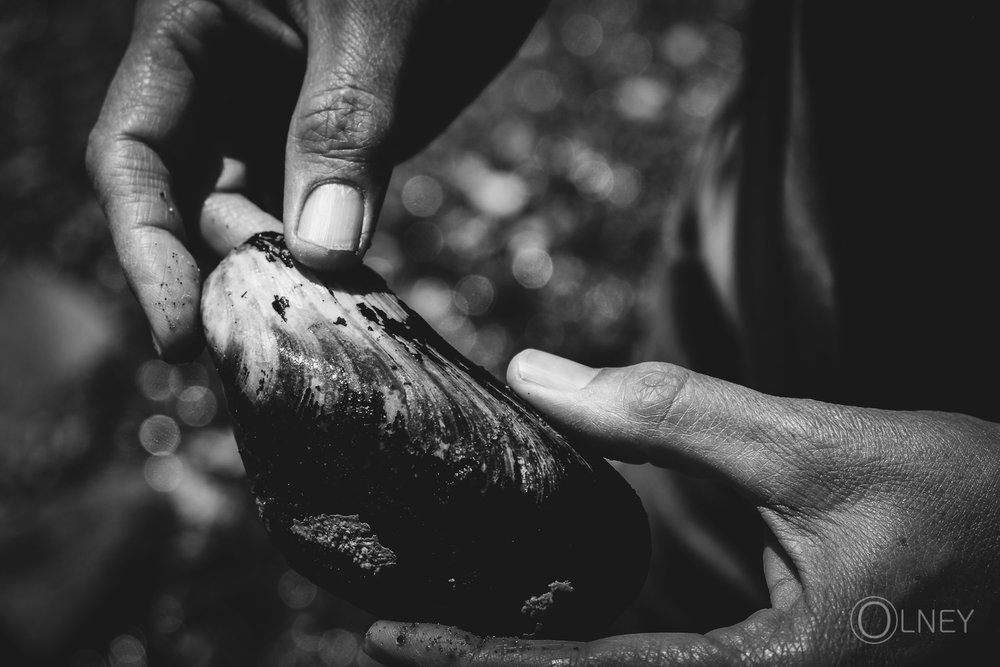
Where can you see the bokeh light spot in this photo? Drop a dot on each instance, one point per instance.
(471, 238)
(702, 99)
(164, 473)
(494, 192)
(296, 591)
(422, 196)
(582, 34)
(167, 614)
(608, 301)
(643, 98)
(474, 294)
(431, 298)
(126, 651)
(157, 379)
(514, 140)
(725, 47)
(196, 406)
(159, 435)
(593, 178)
(538, 90)
(683, 45)
(459, 331)
(305, 633)
(532, 267)
(338, 647)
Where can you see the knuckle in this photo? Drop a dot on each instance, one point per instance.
(342, 121)
(652, 392)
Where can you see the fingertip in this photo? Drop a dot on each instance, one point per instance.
(173, 313)
(394, 643)
(379, 634)
(382, 642)
(328, 234)
(319, 258)
(328, 231)
(531, 370)
(157, 345)
(515, 376)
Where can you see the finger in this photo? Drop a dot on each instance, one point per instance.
(336, 163)
(232, 176)
(142, 112)
(228, 219)
(426, 645)
(667, 415)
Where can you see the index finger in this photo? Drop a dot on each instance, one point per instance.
(142, 113)
(427, 645)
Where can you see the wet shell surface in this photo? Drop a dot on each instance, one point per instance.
(394, 473)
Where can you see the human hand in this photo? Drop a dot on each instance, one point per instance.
(225, 115)
(861, 502)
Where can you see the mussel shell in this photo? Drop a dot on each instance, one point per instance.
(394, 473)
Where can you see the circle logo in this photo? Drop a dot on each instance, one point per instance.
(874, 619)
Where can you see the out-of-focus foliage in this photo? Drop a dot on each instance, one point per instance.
(126, 532)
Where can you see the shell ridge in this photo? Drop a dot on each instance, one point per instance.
(363, 430)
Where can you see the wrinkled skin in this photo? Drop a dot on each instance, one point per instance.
(861, 502)
(212, 97)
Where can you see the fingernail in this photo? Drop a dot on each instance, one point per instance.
(548, 370)
(331, 217)
(156, 345)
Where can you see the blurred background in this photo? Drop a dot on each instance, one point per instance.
(127, 534)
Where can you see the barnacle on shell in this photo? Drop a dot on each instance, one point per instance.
(394, 473)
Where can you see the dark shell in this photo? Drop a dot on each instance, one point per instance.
(394, 473)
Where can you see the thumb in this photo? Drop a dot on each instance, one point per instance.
(669, 416)
(336, 162)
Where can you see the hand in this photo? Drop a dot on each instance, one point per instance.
(861, 502)
(217, 102)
